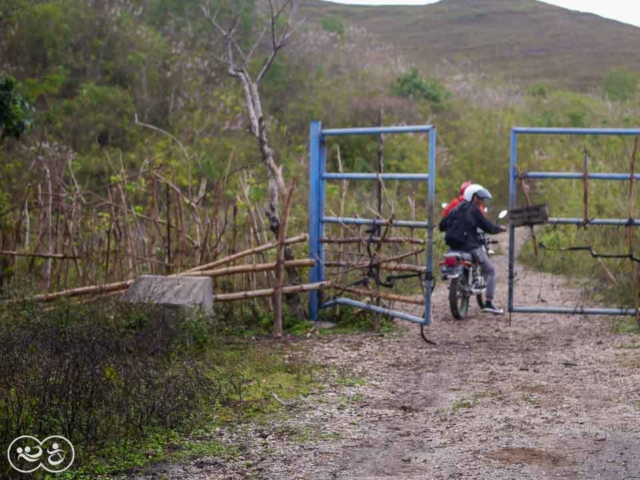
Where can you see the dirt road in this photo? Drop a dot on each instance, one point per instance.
(544, 397)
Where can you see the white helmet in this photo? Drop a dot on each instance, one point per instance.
(471, 191)
(479, 190)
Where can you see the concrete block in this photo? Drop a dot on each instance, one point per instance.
(178, 292)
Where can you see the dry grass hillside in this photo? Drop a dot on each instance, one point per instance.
(523, 40)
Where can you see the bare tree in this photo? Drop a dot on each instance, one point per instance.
(279, 30)
(275, 33)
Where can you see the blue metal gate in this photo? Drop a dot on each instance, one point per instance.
(514, 176)
(317, 219)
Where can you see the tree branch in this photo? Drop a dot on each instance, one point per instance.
(229, 38)
(255, 45)
(278, 41)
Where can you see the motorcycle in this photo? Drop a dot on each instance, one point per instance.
(465, 277)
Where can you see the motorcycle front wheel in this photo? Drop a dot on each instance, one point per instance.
(458, 300)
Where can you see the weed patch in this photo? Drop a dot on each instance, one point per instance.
(349, 322)
(460, 404)
(530, 400)
(352, 381)
(627, 325)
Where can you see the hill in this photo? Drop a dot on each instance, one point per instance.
(522, 40)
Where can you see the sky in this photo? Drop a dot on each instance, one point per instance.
(627, 11)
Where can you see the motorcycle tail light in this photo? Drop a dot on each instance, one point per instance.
(451, 261)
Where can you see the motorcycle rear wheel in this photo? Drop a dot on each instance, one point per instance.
(458, 300)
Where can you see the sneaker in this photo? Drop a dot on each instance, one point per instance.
(489, 307)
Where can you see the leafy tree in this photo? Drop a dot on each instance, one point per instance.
(97, 116)
(45, 86)
(621, 85)
(15, 112)
(42, 35)
(412, 85)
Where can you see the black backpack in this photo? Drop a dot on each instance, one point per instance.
(456, 227)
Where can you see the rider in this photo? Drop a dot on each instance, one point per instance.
(456, 201)
(461, 227)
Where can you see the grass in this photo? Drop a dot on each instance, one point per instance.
(443, 414)
(626, 325)
(460, 404)
(468, 403)
(250, 325)
(493, 393)
(304, 435)
(350, 322)
(352, 381)
(346, 400)
(530, 400)
(263, 372)
(160, 446)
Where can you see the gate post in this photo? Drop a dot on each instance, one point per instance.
(315, 215)
(513, 175)
(430, 230)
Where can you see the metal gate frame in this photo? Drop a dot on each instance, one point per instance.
(318, 176)
(515, 132)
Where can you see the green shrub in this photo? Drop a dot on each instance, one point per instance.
(538, 90)
(334, 24)
(621, 85)
(100, 373)
(97, 116)
(412, 85)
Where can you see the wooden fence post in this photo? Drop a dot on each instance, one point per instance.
(282, 235)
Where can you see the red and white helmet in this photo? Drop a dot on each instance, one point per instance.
(464, 186)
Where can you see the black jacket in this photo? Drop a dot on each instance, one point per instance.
(461, 227)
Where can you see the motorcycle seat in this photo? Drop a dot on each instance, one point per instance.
(467, 257)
